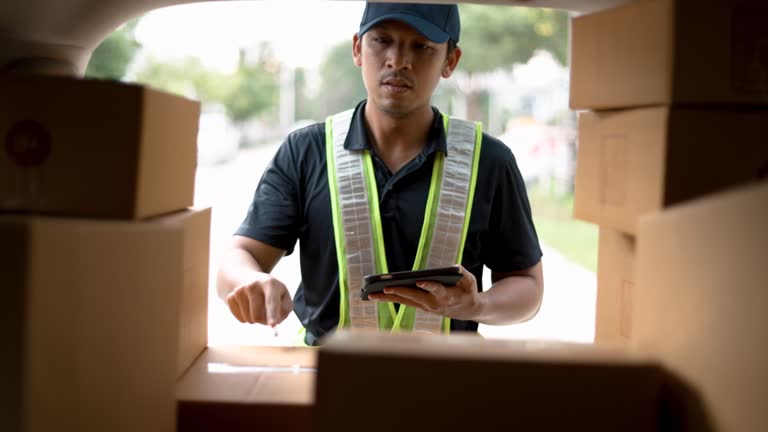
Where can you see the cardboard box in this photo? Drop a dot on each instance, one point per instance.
(248, 388)
(701, 301)
(632, 162)
(95, 148)
(193, 299)
(660, 52)
(95, 312)
(615, 286)
(463, 383)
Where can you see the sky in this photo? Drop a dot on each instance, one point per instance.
(300, 31)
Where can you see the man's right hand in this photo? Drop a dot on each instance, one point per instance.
(265, 300)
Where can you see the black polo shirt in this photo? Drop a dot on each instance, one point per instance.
(292, 202)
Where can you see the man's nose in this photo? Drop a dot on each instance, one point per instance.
(399, 56)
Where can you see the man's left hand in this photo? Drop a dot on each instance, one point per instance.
(458, 302)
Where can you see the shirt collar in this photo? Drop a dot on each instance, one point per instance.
(357, 137)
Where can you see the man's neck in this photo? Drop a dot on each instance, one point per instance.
(397, 140)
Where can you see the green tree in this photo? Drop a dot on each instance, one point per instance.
(496, 37)
(187, 77)
(254, 88)
(110, 60)
(249, 92)
(341, 82)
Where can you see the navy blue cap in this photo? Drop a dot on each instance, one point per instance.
(436, 22)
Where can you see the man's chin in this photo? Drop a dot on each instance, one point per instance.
(394, 109)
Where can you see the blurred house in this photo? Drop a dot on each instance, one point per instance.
(542, 151)
(539, 128)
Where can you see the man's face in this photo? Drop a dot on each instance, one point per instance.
(401, 68)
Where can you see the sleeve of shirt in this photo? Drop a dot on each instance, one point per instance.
(511, 243)
(274, 216)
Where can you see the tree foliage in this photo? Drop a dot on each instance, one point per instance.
(250, 91)
(498, 37)
(495, 37)
(492, 37)
(254, 88)
(110, 60)
(187, 77)
(341, 81)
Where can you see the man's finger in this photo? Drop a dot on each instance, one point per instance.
(244, 303)
(398, 299)
(430, 286)
(408, 296)
(256, 306)
(415, 294)
(234, 307)
(272, 304)
(467, 281)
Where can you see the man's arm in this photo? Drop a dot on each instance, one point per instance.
(514, 297)
(244, 259)
(244, 283)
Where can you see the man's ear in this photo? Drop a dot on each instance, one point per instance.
(357, 50)
(451, 62)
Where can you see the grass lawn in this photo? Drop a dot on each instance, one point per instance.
(556, 227)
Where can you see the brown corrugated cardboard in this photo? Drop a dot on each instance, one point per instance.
(658, 52)
(193, 300)
(248, 388)
(701, 301)
(95, 318)
(95, 148)
(463, 383)
(635, 161)
(615, 286)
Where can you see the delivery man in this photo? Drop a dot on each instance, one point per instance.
(390, 185)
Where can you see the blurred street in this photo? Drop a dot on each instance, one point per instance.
(567, 312)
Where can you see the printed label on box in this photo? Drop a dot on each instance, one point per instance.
(28, 143)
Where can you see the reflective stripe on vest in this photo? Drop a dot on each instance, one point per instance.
(357, 222)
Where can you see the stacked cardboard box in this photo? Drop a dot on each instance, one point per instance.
(248, 388)
(666, 52)
(678, 91)
(679, 96)
(95, 148)
(616, 284)
(104, 263)
(701, 300)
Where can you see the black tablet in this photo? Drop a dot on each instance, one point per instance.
(448, 276)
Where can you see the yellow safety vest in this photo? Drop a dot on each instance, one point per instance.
(357, 222)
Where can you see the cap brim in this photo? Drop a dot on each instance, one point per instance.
(426, 28)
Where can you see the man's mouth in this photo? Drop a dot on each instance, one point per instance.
(396, 85)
